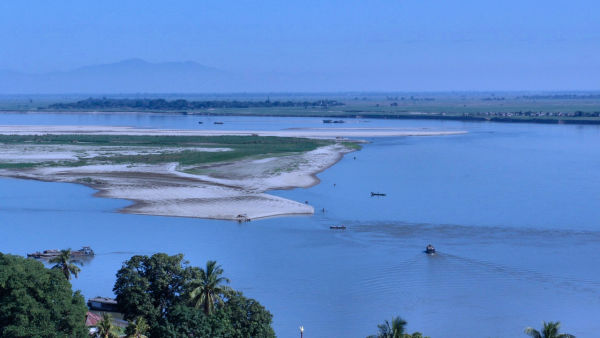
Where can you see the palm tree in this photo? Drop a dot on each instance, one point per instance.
(209, 288)
(138, 328)
(106, 329)
(550, 330)
(67, 265)
(393, 330)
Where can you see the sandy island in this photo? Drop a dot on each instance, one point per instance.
(296, 132)
(230, 190)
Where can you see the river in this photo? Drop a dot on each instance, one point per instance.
(513, 209)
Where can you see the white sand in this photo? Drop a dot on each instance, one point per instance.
(63, 152)
(310, 133)
(163, 190)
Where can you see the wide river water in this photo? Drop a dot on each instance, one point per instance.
(513, 209)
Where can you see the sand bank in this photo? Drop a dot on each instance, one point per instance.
(225, 191)
(232, 190)
(300, 132)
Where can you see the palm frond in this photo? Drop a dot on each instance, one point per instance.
(533, 332)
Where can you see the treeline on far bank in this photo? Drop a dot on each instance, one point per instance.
(182, 105)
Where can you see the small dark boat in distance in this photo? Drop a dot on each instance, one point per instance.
(377, 194)
(334, 121)
(338, 227)
(85, 251)
(430, 250)
(200, 122)
(218, 123)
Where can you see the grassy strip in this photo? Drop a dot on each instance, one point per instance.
(17, 165)
(166, 141)
(242, 146)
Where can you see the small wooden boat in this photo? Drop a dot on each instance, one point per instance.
(200, 122)
(377, 194)
(430, 250)
(218, 123)
(86, 251)
(338, 227)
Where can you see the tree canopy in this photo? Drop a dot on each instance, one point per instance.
(38, 302)
(159, 289)
(150, 286)
(180, 104)
(209, 289)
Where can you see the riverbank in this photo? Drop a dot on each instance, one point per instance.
(506, 107)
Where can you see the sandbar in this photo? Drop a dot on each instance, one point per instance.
(235, 190)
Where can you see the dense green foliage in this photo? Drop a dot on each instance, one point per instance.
(550, 330)
(237, 317)
(162, 104)
(150, 286)
(159, 289)
(38, 302)
(248, 317)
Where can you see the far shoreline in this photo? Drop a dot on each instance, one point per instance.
(414, 115)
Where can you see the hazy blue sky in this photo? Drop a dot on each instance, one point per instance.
(392, 45)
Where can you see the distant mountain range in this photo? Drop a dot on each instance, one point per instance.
(128, 76)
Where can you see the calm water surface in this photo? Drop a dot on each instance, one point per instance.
(514, 210)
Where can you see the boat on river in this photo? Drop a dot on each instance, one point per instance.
(377, 194)
(430, 250)
(338, 227)
(85, 251)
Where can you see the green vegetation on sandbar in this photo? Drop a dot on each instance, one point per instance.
(293, 143)
(242, 146)
(162, 148)
(17, 165)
